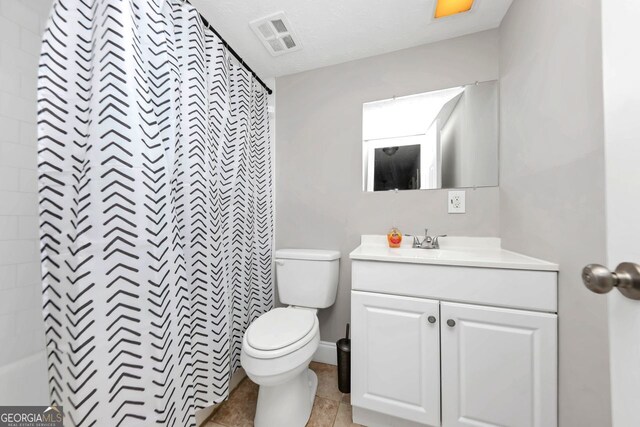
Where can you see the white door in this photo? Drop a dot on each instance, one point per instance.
(499, 367)
(621, 72)
(396, 343)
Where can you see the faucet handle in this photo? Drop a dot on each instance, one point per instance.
(416, 240)
(435, 241)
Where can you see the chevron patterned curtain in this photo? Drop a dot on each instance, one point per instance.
(155, 211)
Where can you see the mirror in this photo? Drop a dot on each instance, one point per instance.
(442, 139)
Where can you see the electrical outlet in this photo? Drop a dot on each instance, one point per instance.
(456, 203)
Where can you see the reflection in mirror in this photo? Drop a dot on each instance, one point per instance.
(441, 139)
(397, 168)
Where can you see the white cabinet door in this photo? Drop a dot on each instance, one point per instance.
(396, 356)
(499, 367)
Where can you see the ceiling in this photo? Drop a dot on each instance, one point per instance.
(335, 31)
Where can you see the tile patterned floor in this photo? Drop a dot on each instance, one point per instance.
(330, 409)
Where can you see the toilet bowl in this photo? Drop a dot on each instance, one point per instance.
(279, 345)
(276, 351)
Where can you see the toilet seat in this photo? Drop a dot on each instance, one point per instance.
(279, 332)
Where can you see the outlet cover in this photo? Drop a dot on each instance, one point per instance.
(456, 203)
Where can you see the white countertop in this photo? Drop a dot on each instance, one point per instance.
(457, 251)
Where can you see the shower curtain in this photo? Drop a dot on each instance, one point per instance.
(156, 222)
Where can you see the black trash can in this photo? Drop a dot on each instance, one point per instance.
(343, 347)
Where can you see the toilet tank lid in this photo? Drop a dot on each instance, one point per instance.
(308, 254)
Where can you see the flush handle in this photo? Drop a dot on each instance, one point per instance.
(599, 279)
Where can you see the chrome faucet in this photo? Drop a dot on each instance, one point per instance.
(428, 242)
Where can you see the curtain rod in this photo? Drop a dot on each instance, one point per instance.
(233, 52)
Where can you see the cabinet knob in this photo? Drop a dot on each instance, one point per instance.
(451, 323)
(431, 319)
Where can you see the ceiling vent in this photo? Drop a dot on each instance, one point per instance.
(276, 34)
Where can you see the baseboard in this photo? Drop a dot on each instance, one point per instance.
(326, 353)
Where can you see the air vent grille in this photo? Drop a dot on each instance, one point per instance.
(266, 31)
(275, 45)
(276, 34)
(278, 24)
(288, 41)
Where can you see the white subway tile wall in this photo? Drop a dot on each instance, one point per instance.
(21, 325)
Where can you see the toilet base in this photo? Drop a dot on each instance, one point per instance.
(288, 404)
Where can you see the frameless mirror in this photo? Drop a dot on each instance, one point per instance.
(442, 139)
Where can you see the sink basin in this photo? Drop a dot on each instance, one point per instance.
(460, 251)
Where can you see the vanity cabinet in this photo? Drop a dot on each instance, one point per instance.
(432, 345)
(498, 366)
(398, 363)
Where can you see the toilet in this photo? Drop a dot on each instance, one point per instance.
(278, 346)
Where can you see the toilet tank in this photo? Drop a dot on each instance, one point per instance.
(307, 277)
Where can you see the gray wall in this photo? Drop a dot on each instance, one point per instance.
(552, 178)
(319, 197)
